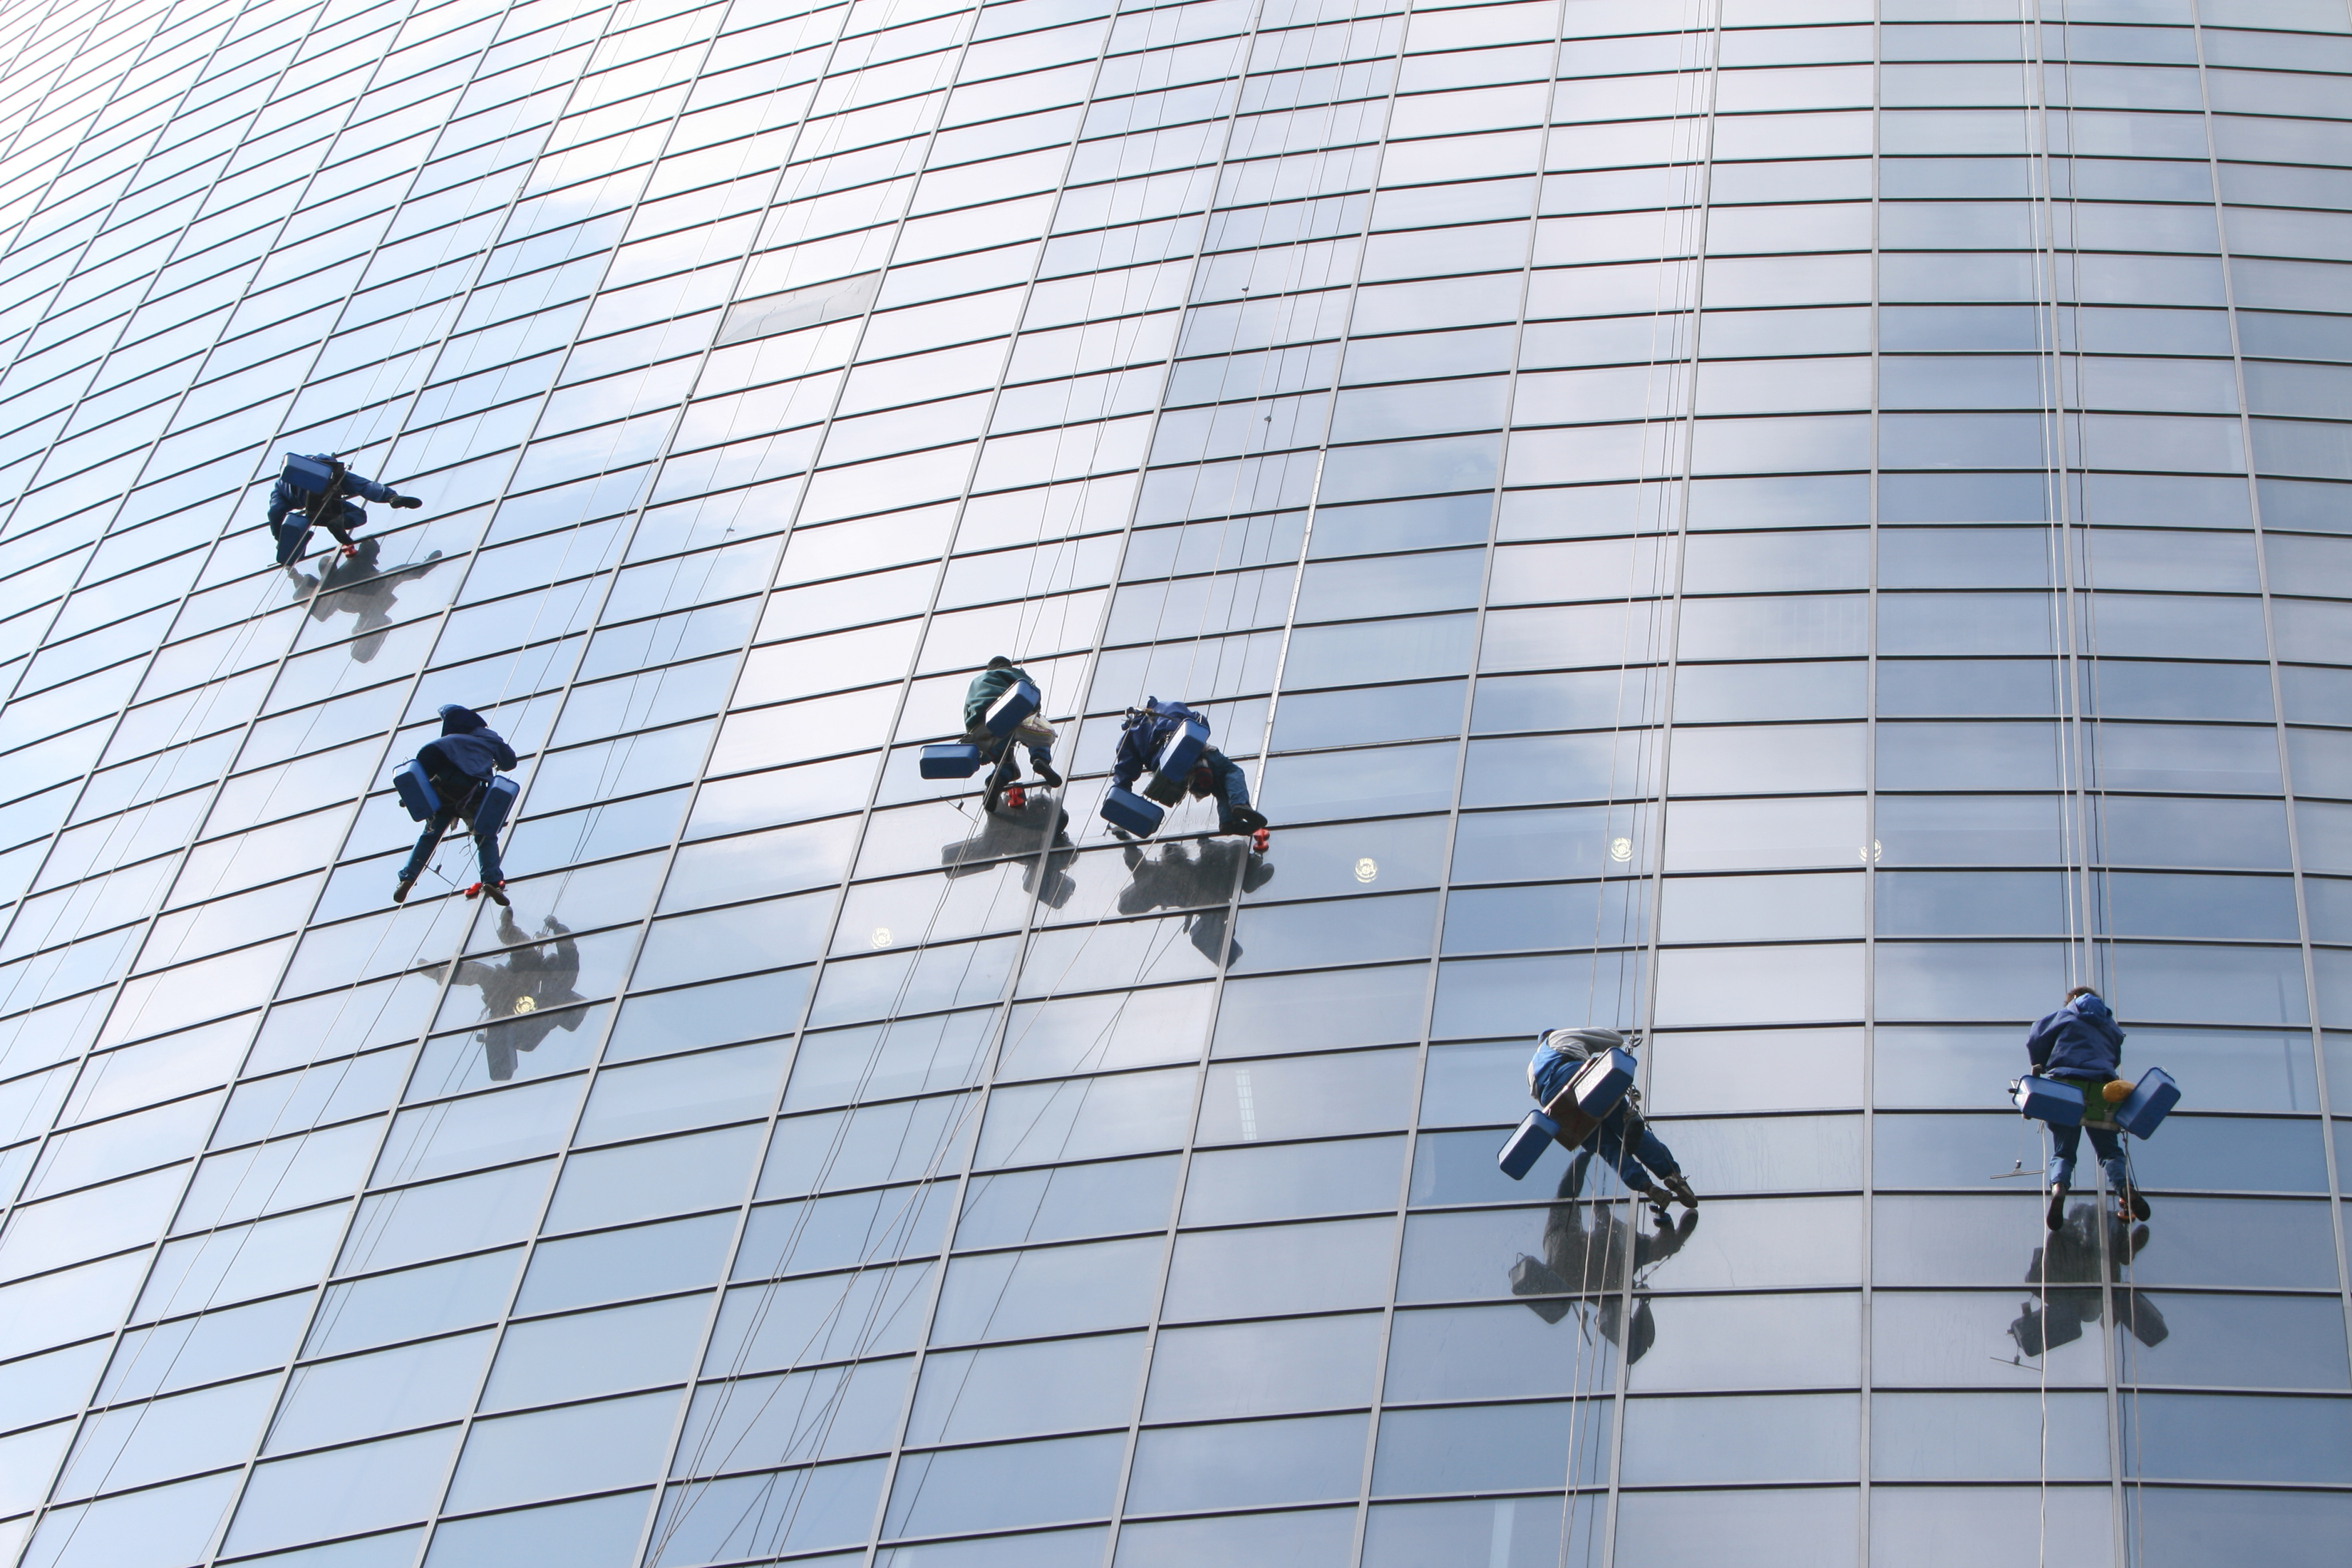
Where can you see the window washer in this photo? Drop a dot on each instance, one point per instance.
(459, 765)
(2080, 1044)
(1001, 676)
(315, 488)
(1623, 1138)
(1214, 776)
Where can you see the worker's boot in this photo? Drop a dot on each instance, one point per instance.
(1681, 1188)
(400, 890)
(2128, 1198)
(1048, 776)
(2056, 1218)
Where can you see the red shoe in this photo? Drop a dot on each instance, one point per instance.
(1017, 798)
(350, 551)
(475, 891)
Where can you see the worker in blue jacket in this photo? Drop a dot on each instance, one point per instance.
(1216, 776)
(293, 509)
(2081, 1045)
(1624, 1137)
(458, 765)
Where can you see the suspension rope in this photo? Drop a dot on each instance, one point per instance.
(1696, 71)
(1162, 939)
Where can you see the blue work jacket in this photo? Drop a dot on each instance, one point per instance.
(2079, 1040)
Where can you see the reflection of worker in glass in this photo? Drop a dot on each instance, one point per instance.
(1003, 834)
(2069, 1290)
(360, 588)
(526, 996)
(1196, 876)
(1582, 1254)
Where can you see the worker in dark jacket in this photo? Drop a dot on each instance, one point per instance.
(294, 507)
(1624, 1137)
(2080, 1044)
(459, 765)
(1216, 776)
(1001, 676)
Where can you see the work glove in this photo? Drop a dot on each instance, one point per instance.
(401, 503)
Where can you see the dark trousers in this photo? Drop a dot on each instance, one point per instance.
(2066, 1142)
(1007, 758)
(486, 846)
(1630, 1148)
(294, 532)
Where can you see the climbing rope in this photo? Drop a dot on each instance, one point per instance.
(1697, 72)
(1162, 939)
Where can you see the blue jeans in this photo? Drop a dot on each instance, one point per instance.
(294, 531)
(486, 846)
(2066, 1142)
(1608, 1141)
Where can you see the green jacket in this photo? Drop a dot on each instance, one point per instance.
(986, 689)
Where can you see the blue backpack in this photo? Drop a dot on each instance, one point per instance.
(319, 485)
(1171, 738)
(1156, 721)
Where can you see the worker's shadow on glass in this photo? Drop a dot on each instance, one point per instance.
(1196, 876)
(2077, 1256)
(1582, 1269)
(359, 586)
(527, 994)
(1005, 833)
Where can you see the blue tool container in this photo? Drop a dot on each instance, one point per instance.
(1599, 1084)
(416, 790)
(1527, 1145)
(308, 473)
(1125, 809)
(2145, 1109)
(498, 799)
(1176, 759)
(2048, 1100)
(1005, 715)
(951, 761)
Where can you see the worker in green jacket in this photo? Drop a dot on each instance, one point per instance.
(1034, 734)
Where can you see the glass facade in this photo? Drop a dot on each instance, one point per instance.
(1803, 526)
